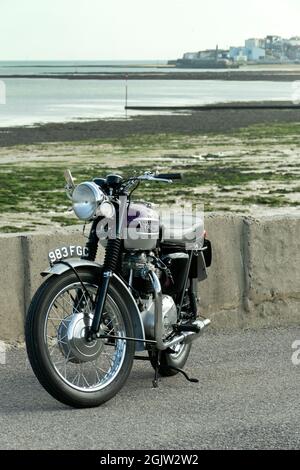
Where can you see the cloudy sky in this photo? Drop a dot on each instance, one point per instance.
(136, 29)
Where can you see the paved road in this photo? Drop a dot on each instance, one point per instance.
(248, 397)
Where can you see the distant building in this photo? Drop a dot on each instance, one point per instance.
(255, 43)
(273, 42)
(245, 54)
(208, 54)
(256, 54)
(238, 54)
(294, 42)
(190, 55)
(269, 50)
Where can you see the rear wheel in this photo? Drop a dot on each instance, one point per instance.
(73, 371)
(169, 360)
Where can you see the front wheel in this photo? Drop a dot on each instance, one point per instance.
(73, 371)
(169, 360)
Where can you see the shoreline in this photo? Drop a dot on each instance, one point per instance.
(241, 75)
(199, 122)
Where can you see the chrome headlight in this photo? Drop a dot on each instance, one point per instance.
(86, 199)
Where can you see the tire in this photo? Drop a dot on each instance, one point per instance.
(47, 338)
(168, 360)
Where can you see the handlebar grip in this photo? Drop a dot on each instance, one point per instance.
(169, 176)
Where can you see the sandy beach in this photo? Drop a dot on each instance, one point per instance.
(238, 160)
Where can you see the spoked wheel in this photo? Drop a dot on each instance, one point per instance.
(73, 371)
(169, 360)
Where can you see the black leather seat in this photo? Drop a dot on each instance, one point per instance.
(182, 230)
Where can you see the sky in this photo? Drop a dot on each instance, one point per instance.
(136, 29)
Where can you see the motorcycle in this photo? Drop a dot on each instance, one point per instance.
(88, 322)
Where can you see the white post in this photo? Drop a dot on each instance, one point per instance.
(126, 94)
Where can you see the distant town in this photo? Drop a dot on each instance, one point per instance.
(269, 50)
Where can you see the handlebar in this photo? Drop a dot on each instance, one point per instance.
(117, 183)
(169, 176)
(134, 181)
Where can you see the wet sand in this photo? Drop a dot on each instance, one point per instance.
(192, 123)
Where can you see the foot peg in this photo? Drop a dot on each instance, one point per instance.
(193, 328)
(196, 327)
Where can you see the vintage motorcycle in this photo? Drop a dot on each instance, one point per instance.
(87, 322)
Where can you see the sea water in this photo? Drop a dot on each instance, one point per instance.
(41, 100)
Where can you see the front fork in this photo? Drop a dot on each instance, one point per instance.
(110, 263)
(112, 254)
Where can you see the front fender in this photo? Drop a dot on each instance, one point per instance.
(59, 268)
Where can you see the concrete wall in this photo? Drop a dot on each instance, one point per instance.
(254, 279)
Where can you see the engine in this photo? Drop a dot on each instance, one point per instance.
(169, 314)
(135, 266)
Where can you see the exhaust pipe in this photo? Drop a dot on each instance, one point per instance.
(187, 336)
(201, 324)
(158, 326)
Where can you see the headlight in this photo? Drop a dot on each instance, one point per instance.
(86, 199)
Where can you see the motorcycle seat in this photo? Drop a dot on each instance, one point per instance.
(182, 229)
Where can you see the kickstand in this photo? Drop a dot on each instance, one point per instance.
(156, 373)
(184, 374)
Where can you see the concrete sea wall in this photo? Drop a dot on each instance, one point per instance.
(254, 280)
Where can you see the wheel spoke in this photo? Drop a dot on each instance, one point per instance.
(73, 307)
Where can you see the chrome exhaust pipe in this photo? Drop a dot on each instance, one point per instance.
(158, 326)
(201, 324)
(187, 336)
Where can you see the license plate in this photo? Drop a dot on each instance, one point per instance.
(72, 251)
